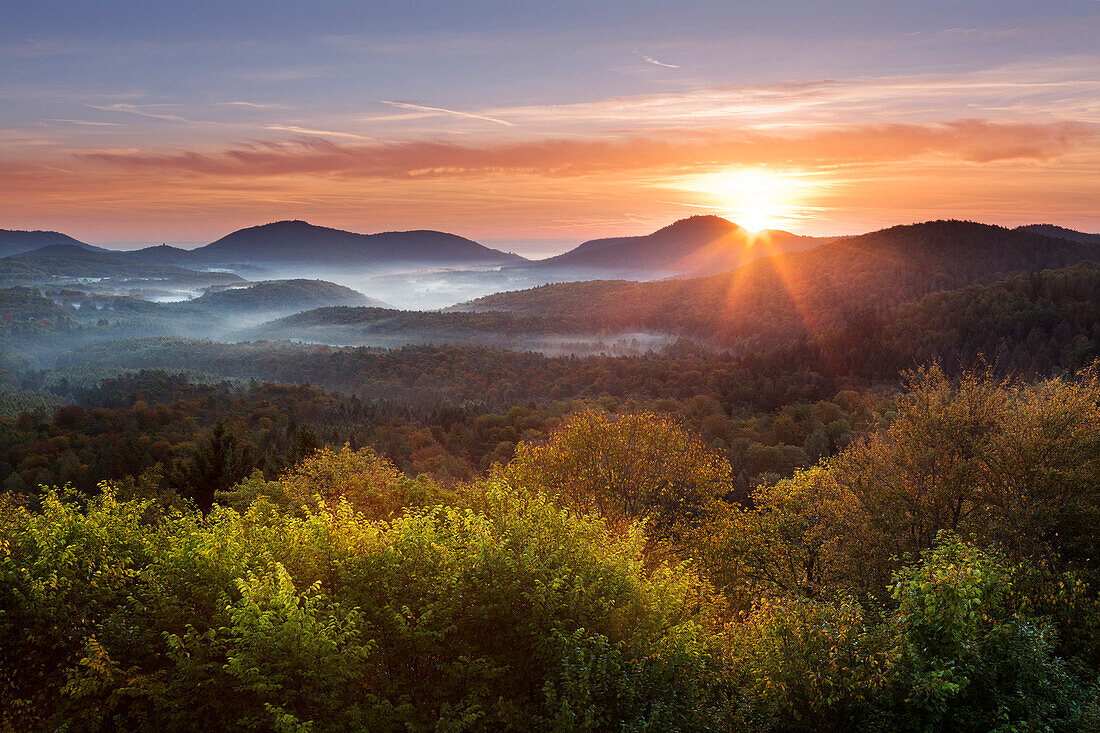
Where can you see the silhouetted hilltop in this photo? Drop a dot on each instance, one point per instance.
(696, 244)
(14, 241)
(1052, 230)
(301, 243)
(785, 295)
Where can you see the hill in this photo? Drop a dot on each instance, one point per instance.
(70, 262)
(699, 244)
(278, 296)
(163, 254)
(785, 296)
(300, 243)
(1052, 230)
(14, 241)
(26, 305)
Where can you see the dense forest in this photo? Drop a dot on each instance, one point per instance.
(935, 574)
(852, 488)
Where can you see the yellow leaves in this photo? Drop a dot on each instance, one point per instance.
(624, 467)
(370, 483)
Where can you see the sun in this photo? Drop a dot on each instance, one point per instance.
(754, 198)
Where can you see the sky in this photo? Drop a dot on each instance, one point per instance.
(534, 126)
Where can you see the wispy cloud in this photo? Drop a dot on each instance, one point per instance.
(89, 123)
(323, 133)
(144, 111)
(1063, 88)
(444, 110)
(252, 105)
(671, 153)
(655, 62)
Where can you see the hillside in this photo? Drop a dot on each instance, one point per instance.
(14, 241)
(301, 243)
(699, 244)
(22, 306)
(69, 261)
(286, 296)
(389, 327)
(774, 299)
(163, 254)
(1052, 230)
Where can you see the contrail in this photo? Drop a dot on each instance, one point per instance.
(444, 110)
(655, 62)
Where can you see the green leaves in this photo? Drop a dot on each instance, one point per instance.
(445, 618)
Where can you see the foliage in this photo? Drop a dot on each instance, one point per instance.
(1014, 465)
(519, 615)
(969, 660)
(624, 468)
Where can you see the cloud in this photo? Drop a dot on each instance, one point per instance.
(655, 62)
(443, 110)
(142, 111)
(252, 105)
(673, 152)
(1063, 88)
(324, 133)
(87, 122)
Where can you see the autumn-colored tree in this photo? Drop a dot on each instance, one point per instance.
(1014, 465)
(367, 481)
(626, 467)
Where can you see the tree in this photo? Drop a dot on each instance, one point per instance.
(215, 465)
(625, 467)
(367, 481)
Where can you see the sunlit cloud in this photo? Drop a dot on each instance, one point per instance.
(1058, 88)
(673, 152)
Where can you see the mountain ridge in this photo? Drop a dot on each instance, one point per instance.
(20, 241)
(697, 244)
(773, 297)
(298, 242)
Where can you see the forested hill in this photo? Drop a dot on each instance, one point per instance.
(774, 299)
(279, 295)
(1052, 230)
(77, 261)
(696, 244)
(14, 241)
(302, 243)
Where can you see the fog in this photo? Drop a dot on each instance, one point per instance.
(435, 288)
(623, 344)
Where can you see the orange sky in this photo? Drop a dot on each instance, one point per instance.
(955, 122)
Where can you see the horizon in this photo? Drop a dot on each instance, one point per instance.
(127, 122)
(546, 248)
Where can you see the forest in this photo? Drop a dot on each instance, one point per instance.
(851, 488)
(936, 572)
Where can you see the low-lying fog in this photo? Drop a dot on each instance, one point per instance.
(623, 344)
(432, 289)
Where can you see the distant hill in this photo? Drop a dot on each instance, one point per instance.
(1051, 230)
(774, 299)
(70, 261)
(26, 304)
(699, 244)
(279, 296)
(303, 244)
(14, 241)
(367, 320)
(162, 254)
